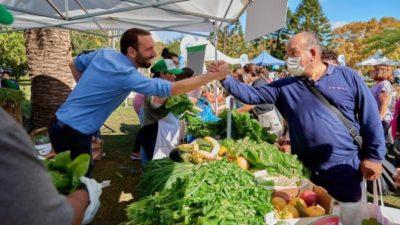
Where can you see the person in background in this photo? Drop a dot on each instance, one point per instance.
(166, 54)
(383, 93)
(115, 74)
(318, 137)
(236, 73)
(329, 56)
(186, 73)
(397, 178)
(137, 103)
(7, 82)
(396, 74)
(27, 193)
(154, 107)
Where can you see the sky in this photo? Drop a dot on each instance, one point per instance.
(339, 12)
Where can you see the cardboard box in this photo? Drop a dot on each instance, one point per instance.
(324, 200)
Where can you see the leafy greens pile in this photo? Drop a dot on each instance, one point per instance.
(266, 156)
(242, 126)
(217, 192)
(65, 173)
(178, 104)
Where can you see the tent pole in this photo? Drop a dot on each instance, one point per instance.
(66, 8)
(86, 12)
(216, 58)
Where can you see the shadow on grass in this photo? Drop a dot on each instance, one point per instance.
(123, 173)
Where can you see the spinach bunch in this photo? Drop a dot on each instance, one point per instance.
(65, 173)
(218, 192)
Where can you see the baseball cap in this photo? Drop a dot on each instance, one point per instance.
(166, 65)
(5, 16)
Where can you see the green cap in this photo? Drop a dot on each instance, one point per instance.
(5, 16)
(166, 65)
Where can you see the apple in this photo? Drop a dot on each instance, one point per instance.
(309, 197)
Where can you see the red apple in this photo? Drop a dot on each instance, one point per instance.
(309, 197)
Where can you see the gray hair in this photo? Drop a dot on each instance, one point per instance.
(311, 40)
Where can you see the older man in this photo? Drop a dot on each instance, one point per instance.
(319, 138)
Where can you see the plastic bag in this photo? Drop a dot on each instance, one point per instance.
(94, 190)
(356, 213)
(167, 136)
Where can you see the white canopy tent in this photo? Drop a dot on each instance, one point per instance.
(377, 59)
(169, 15)
(185, 16)
(210, 55)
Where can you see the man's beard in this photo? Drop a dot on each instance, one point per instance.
(142, 61)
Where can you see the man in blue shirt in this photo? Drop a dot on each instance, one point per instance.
(104, 79)
(318, 137)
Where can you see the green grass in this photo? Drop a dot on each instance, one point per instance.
(117, 166)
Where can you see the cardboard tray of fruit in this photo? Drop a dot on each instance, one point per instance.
(310, 204)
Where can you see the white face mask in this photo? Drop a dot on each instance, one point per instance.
(294, 67)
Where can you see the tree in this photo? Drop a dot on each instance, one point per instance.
(310, 17)
(388, 39)
(48, 52)
(359, 40)
(12, 52)
(83, 41)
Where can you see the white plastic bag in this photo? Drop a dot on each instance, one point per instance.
(94, 190)
(353, 213)
(271, 121)
(167, 136)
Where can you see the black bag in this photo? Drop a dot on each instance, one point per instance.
(388, 171)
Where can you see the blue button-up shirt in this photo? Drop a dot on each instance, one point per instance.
(107, 79)
(318, 137)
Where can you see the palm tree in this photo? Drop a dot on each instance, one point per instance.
(48, 52)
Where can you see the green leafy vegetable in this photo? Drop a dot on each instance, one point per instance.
(178, 104)
(217, 192)
(65, 173)
(267, 156)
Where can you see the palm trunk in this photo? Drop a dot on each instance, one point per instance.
(48, 52)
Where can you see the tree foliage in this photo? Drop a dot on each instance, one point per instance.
(84, 41)
(359, 40)
(310, 17)
(12, 52)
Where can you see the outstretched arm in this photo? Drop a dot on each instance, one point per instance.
(250, 95)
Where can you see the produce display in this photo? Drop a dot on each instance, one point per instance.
(242, 126)
(216, 192)
(305, 205)
(65, 173)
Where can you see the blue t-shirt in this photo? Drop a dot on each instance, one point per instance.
(317, 136)
(107, 79)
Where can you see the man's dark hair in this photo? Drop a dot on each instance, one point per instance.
(130, 39)
(328, 54)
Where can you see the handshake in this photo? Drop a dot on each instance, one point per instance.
(219, 69)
